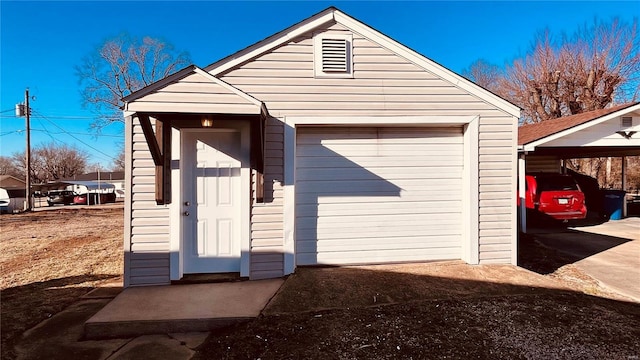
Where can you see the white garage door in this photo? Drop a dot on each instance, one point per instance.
(375, 195)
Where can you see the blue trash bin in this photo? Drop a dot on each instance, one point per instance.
(614, 203)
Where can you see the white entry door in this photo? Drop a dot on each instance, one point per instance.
(211, 201)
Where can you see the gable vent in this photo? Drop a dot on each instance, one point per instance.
(626, 121)
(334, 55)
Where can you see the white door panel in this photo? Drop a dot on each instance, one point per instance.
(211, 185)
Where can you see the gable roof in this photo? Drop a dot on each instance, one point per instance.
(248, 102)
(8, 181)
(331, 15)
(530, 133)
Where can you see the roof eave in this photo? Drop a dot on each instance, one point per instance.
(531, 145)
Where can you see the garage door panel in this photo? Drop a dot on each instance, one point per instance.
(366, 221)
(389, 174)
(377, 257)
(341, 136)
(381, 244)
(381, 208)
(380, 232)
(378, 150)
(367, 195)
(443, 159)
(424, 195)
(361, 186)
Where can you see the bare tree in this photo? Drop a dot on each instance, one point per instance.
(118, 162)
(484, 74)
(8, 167)
(52, 162)
(589, 70)
(120, 66)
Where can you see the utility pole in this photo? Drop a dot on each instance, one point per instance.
(25, 110)
(28, 150)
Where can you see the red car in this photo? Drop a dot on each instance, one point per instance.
(554, 195)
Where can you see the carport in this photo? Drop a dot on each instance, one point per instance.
(544, 147)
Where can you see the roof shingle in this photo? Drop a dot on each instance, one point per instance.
(531, 132)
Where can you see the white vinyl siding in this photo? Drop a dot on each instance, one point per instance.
(194, 94)
(375, 195)
(385, 84)
(149, 241)
(266, 218)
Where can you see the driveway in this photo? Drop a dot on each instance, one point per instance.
(608, 252)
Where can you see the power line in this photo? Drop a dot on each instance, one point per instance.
(4, 111)
(75, 133)
(80, 141)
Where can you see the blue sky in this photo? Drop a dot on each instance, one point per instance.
(40, 42)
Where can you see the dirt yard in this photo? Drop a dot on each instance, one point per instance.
(49, 259)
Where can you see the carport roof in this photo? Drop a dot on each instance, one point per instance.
(532, 132)
(582, 135)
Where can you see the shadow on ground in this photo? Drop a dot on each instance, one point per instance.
(25, 306)
(430, 311)
(546, 251)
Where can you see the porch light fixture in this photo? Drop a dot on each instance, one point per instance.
(207, 121)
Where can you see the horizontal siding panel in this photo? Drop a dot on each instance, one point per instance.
(420, 91)
(273, 241)
(495, 195)
(149, 280)
(495, 248)
(150, 230)
(150, 213)
(149, 271)
(495, 240)
(266, 226)
(150, 238)
(268, 274)
(495, 210)
(503, 257)
(275, 266)
(261, 255)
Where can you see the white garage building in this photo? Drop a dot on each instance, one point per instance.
(327, 143)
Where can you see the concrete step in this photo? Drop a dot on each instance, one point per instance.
(180, 308)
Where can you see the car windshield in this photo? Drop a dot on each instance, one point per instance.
(556, 183)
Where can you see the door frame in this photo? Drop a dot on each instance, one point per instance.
(176, 208)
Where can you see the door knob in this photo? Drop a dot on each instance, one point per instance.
(186, 213)
(186, 203)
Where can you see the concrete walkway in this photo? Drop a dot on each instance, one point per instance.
(180, 308)
(170, 315)
(617, 268)
(608, 252)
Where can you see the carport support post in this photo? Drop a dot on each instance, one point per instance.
(522, 193)
(624, 186)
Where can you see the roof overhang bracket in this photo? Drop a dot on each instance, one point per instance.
(160, 148)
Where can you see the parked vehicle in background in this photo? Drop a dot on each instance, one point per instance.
(4, 201)
(64, 197)
(555, 195)
(92, 198)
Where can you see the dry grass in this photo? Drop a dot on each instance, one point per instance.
(50, 258)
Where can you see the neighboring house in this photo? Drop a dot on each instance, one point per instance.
(327, 143)
(114, 179)
(12, 194)
(611, 132)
